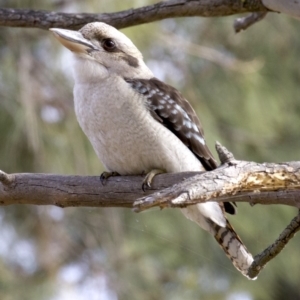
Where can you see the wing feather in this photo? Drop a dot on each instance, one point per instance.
(170, 108)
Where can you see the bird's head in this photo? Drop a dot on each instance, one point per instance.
(101, 50)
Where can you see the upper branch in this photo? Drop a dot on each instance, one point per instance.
(146, 14)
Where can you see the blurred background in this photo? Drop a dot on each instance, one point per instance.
(245, 88)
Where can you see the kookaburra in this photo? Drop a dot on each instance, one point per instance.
(140, 125)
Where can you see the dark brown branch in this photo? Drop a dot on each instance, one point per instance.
(159, 11)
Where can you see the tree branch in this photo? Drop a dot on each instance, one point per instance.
(242, 182)
(245, 22)
(261, 259)
(158, 11)
(238, 181)
(65, 191)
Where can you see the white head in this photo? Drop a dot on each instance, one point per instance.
(101, 50)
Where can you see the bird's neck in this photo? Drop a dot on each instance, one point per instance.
(88, 71)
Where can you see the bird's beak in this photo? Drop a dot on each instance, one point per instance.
(73, 40)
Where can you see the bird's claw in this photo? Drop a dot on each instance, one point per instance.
(146, 185)
(149, 178)
(105, 175)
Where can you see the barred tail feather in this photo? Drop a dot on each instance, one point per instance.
(234, 248)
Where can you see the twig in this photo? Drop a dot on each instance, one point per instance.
(245, 22)
(273, 250)
(225, 156)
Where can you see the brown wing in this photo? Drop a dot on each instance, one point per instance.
(169, 107)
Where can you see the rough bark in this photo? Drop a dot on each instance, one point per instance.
(65, 191)
(239, 181)
(242, 181)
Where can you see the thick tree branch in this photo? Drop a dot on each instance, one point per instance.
(242, 182)
(238, 181)
(65, 191)
(158, 11)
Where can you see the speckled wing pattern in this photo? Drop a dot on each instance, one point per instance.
(169, 107)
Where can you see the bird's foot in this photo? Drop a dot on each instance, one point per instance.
(105, 175)
(149, 178)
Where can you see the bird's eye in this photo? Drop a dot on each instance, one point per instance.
(108, 45)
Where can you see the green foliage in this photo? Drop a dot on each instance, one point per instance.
(245, 90)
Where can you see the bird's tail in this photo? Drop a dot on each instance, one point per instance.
(233, 247)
